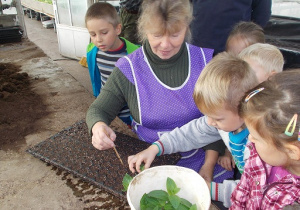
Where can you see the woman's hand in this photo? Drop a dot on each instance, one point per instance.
(103, 136)
(147, 156)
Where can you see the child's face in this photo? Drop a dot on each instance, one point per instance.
(266, 149)
(103, 34)
(236, 45)
(225, 120)
(260, 72)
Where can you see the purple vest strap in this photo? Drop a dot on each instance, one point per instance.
(162, 108)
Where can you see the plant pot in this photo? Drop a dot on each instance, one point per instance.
(192, 186)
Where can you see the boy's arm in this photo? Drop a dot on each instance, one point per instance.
(193, 135)
(218, 146)
(207, 170)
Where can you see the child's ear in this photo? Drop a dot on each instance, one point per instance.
(272, 73)
(293, 151)
(118, 29)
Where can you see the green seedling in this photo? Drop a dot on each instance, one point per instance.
(127, 179)
(166, 200)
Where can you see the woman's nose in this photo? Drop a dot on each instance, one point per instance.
(165, 42)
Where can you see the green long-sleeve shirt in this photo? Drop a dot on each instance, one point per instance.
(118, 90)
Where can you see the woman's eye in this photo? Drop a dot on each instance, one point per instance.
(157, 35)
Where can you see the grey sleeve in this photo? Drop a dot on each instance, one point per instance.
(193, 135)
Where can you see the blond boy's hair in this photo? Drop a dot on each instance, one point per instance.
(267, 56)
(103, 10)
(222, 83)
(164, 16)
(248, 31)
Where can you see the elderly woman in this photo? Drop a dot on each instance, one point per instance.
(156, 81)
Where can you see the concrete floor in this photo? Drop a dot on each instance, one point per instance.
(46, 39)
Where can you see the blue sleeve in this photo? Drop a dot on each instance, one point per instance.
(94, 71)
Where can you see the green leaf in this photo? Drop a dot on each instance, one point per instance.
(147, 202)
(185, 202)
(174, 200)
(182, 207)
(168, 206)
(143, 202)
(142, 167)
(193, 207)
(160, 194)
(172, 187)
(126, 180)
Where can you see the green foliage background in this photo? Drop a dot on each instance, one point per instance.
(46, 1)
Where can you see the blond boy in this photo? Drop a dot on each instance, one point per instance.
(217, 93)
(243, 35)
(264, 59)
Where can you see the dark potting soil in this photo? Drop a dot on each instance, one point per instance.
(20, 106)
(72, 151)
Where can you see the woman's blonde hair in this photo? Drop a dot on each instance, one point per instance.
(223, 81)
(103, 10)
(267, 56)
(270, 110)
(248, 31)
(166, 16)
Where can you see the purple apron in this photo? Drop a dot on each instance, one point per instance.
(163, 108)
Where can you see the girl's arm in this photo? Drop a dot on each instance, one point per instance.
(240, 194)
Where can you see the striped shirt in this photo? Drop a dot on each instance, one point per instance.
(237, 143)
(106, 63)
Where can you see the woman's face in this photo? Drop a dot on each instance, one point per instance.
(166, 45)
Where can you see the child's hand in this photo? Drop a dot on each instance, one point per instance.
(103, 136)
(226, 161)
(207, 170)
(147, 156)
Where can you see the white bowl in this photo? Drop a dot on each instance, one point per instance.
(192, 186)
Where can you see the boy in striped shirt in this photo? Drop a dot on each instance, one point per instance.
(106, 47)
